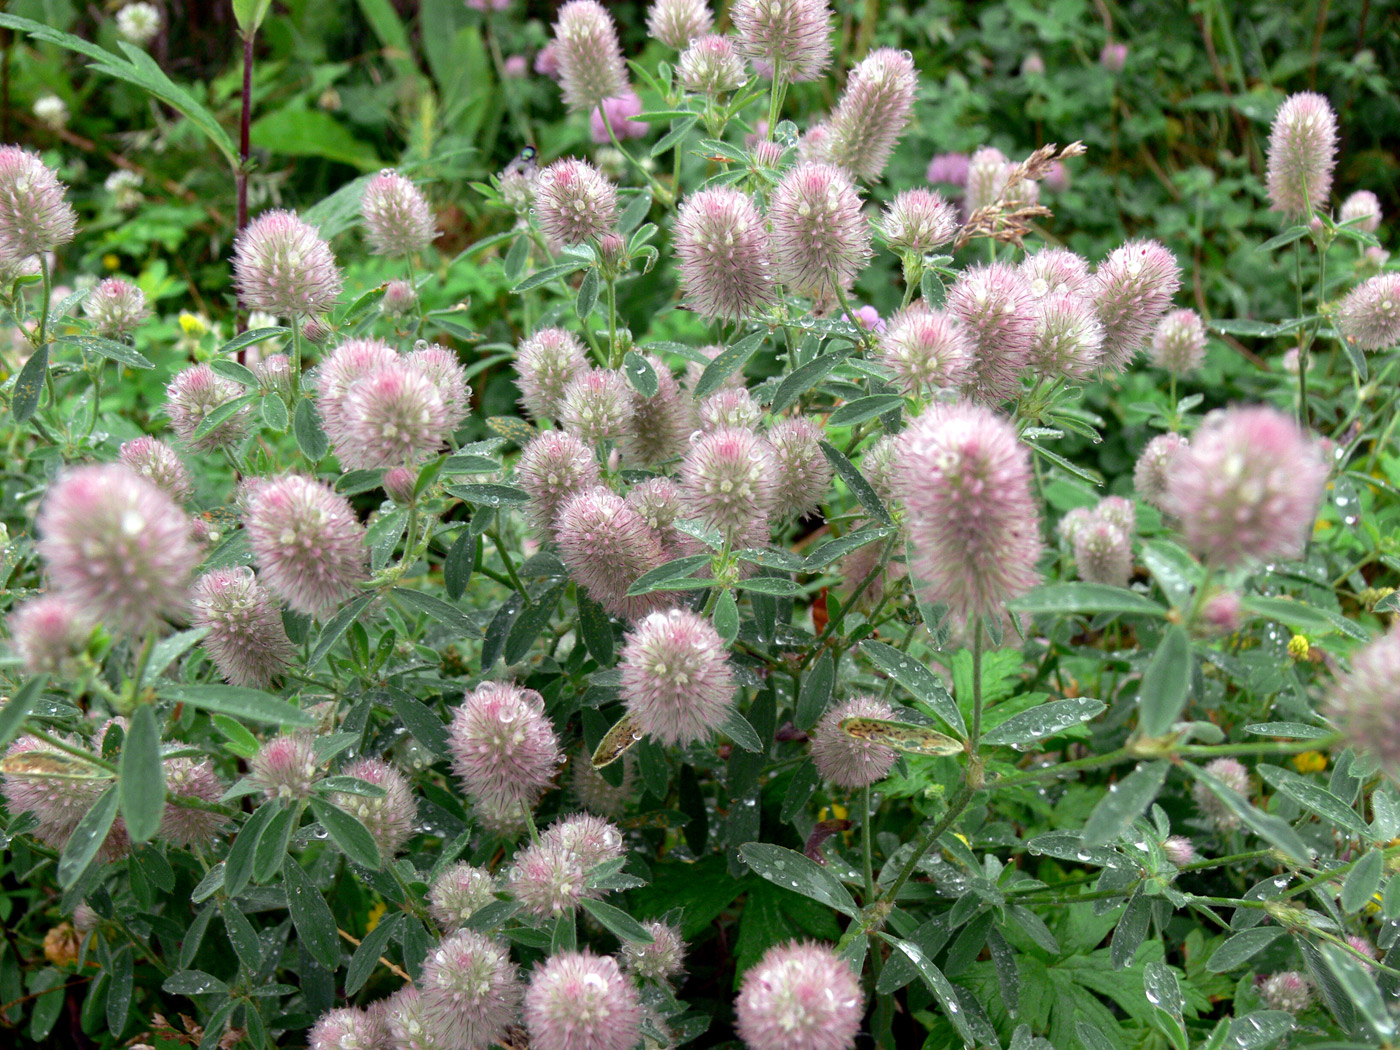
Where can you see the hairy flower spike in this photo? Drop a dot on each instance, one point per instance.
(1068, 336)
(158, 463)
(998, 315)
(588, 55)
(246, 639)
(729, 480)
(974, 530)
(347, 1028)
(549, 880)
(821, 240)
(1288, 990)
(1362, 210)
(192, 395)
(35, 216)
(117, 546)
(660, 960)
(918, 221)
(397, 218)
(1131, 290)
(503, 747)
(1179, 850)
(985, 178)
(1235, 777)
(407, 1023)
(282, 265)
(730, 407)
(721, 241)
(1151, 470)
(1302, 153)
(799, 995)
(285, 768)
(658, 501)
(844, 760)
(676, 678)
(593, 792)
(1369, 316)
(678, 23)
(574, 201)
(1103, 553)
(348, 363)
(139, 23)
(48, 632)
(116, 308)
(459, 893)
(597, 406)
(1179, 343)
(786, 38)
(1248, 487)
(1362, 703)
(554, 467)
(710, 65)
(469, 990)
(607, 545)
(391, 417)
(804, 474)
(389, 817)
(658, 425)
(1055, 271)
(592, 839)
(927, 350)
(545, 364)
(442, 368)
(308, 544)
(580, 1001)
(872, 113)
(185, 825)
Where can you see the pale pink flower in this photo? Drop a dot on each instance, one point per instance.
(1302, 153)
(280, 264)
(789, 38)
(389, 817)
(574, 201)
(587, 54)
(1362, 210)
(554, 467)
(391, 417)
(1131, 291)
(948, 168)
(35, 216)
(872, 113)
(348, 363)
(722, 244)
(658, 501)
(346, 1028)
(677, 23)
(597, 406)
(660, 960)
(804, 473)
(985, 179)
(580, 1001)
(1055, 271)
(731, 407)
(1363, 703)
(459, 893)
(245, 639)
(1114, 56)
(548, 879)
(729, 480)
(502, 745)
(444, 370)
(407, 1024)
(469, 989)
(617, 112)
(821, 241)
(658, 426)
(1150, 471)
(1234, 776)
(845, 760)
(545, 363)
(1103, 553)
(918, 221)
(116, 308)
(285, 767)
(1179, 850)
(927, 350)
(1369, 316)
(307, 542)
(1179, 343)
(607, 545)
(1289, 991)
(186, 825)
(48, 633)
(397, 217)
(710, 65)
(192, 395)
(676, 678)
(1068, 336)
(159, 464)
(998, 315)
(799, 995)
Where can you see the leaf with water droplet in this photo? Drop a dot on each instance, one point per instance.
(791, 870)
(616, 742)
(311, 915)
(1124, 803)
(919, 680)
(1044, 721)
(901, 736)
(87, 838)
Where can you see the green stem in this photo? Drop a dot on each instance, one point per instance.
(96, 396)
(867, 853)
(614, 359)
(775, 98)
(510, 565)
(662, 194)
(296, 361)
(955, 807)
(1302, 341)
(867, 337)
(44, 303)
(1199, 601)
(142, 660)
(976, 738)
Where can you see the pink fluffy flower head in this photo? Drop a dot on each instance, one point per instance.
(877, 464)
(1363, 703)
(985, 179)
(927, 350)
(246, 639)
(845, 760)
(659, 425)
(308, 544)
(502, 746)
(581, 1001)
(821, 240)
(348, 363)
(948, 168)
(729, 480)
(117, 546)
(1362, 210)
(804, 474)
(918, 221)
(677, 23)
(285, 768)
(389, 817)
(399, 298)
(658, 501)
(1152, 467)
(1248, 487)
(548, 879)
(397, 218)
(974, 530)
(57, 800)
(799, 995)
(408, 1025)
(116, 308)
(588, 55)
(1179, 850)
(593, 839)
(347, 1028)
(192, 395)
(1103, 553)
(185, 825)
(48, 632)
(545, 364)
(469, 990)
(1179, 343)
(1114, 56)
(787, 38)
(872, 113)
(1068, 336)
(597, 406)
(606, 544)
(660, 960)
(722, 244)
(617, 112)
(35, 216)
(710, 65)
(158, 463)
(554, 467)
(281, 264)
(1369, 316)
(392, 417)
(574, 201)
(731, 407)
(1288, 990)
(1302, 153)
(676, 678)
(1055, 271)
(442, 368)
(459, 893)
(998, 315)
(1131, 290)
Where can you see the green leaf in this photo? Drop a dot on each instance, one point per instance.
(1272, 829)
(1165, 683)
(919, 680)
(1361, 990)
(596, 630)
(274, 412)
(448, 615)
(726, 616)
(273, 845)
(87, 838)
(141, 776)
(457, 566)
(1060, 598)
(295, 131)
(533, 619)
(366, 956)
(119, 990)
(901, 736)
(1243, 326)
(1303, 617)
(17, 708)
(306, 428)
(108, 348)
(1314, 796)
(727, 362)
(337, 626)
(245, 941)
(856, 482)
(640, 374)
(1130, 930)
(794, 871)
(1241, 947)
(775, 585)
(1363, 882)
(348, 833)
(1124, 802)
(587, 294)
(425, 726)
(311, 915)
(680, 128)
(863, 408)
(548, 274)
(832, 550)
(24, 396)
(1045, 720)
(939, 985)
(678, 569)
(1288, 236)
(1297, 730)
(816, 690)
(617, 921)
(238, 868)
(489, 495)
(741, 731)
(194, 982)
(254, 335)
(250, 14)
(252, 704)
(231, 369)
(221, 414)
(805, 377)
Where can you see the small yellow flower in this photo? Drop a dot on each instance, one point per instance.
(1298, 647)
(375, 914)
(964, 839)
(835, 811)
(1310, 762)
(192, 324)
(111, 261)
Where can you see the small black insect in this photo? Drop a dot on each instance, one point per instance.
(525, 163)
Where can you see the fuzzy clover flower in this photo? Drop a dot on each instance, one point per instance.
(397, 218)
(139, 23)
(1248, 487)
(588, 56)
(1302, 153)
(1364, 705)
(1235, 777)
(927, 350)
(985, 179)
(185, 825)
(722, 243)
(399, 298)
(1131, 291)
(408, 1025)
(1152, 467)
(442, 368)
(787, 39)
(192, 395)
(1362, 210)
(159, 464)
(997, 312)
(285, 767)
(35, 217)
(1103, 553)
(574, 201)
(469, 990)
(389, 817)
(804, 474)
(877, 464)
(1068, 336)
(554, 467)
(1287, 990)
(57, 789)
(918, 221)
(503, 747)
(732, 407)
(282, 265)
(348, 363)
(545, 364)
(1055, 271)
(1369, 316)
(844, 760)
(581, 1001)
(597, 405)
(593, 839)
(307, 542)
(658, 426)
(676, 678)
(47, 633)
(245, 639)
(658, 501)
(821, 240)
(1179, 343)
(458, 894)
(51, 111)
(799, 995)
(117, 546)
(872, 113)
(974, 530)
(729, 480)
(593, 791)
(616, 113)
(660, 960)
(274, 375)
(1179, 850)
(677, 23)
(347, 1028)
(548, 879)
(607, 545)
(391, 417)
(710, 65)
(116, 308)
(949, 169)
